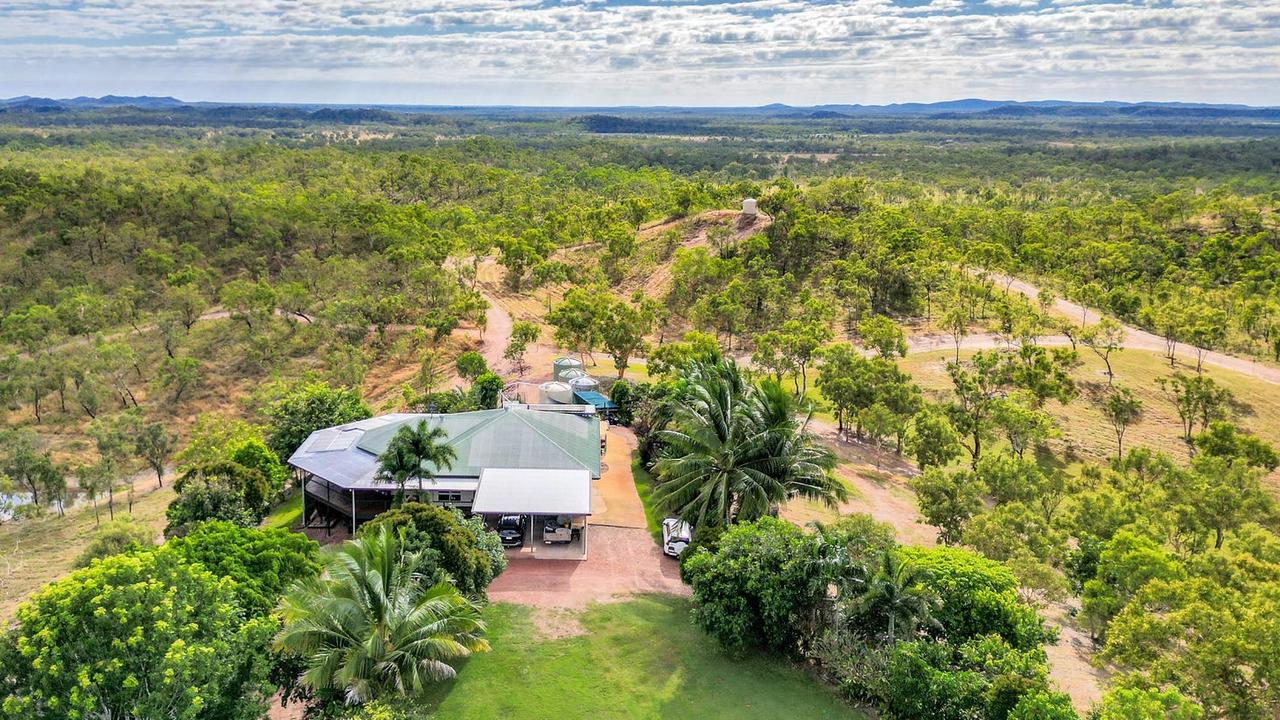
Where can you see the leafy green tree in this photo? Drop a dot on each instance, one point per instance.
(212, 439)
(979, 597)
(1222, 439)
(470, 365)
(623, 328)
(1024, 425)
(33, 471)
(155, 444)
(801, 341)
(669, 359)
(732, 450)
(1213, 643)
(1127, 562)
(979, 389)
(223, 490)
(1104, 338)
(415, 451)
(296, 411)
(459, 548)
(117, 536)
(369, 629)
(956, 322)
(523, 332)
(931, 439)
(251, 302)
(883, 336)
(179, 374)
(1044, 705)
(948, 500)
(486, 390)
(578, 321)
(1121, 408)
(760, 586)
(1198, 399)
(143, 636)
(1135, 703)
(262, 563)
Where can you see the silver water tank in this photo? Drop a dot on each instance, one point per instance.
(556, 392)
(563, 365)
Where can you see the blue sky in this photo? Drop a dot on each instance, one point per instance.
(613, 52)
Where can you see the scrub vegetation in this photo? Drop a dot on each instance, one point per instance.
(1058, 334)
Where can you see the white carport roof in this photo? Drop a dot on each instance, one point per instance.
(511, 491)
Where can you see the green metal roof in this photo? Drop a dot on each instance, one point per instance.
(505, 438)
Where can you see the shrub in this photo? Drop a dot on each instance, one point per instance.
(1044, 705)
(982, 678)
(260, 562)
(760, 588)
(979, 597)
(704, 536)
(452, 544)
(486, 390)
(143, 635)
(115, 537)
(218, 491)
(254, 453)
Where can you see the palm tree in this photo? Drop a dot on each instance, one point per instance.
(896, 600)
(368, 627)
(735, 451)
(415, 451)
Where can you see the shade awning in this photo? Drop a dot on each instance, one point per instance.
(596, 400)
(515, 491)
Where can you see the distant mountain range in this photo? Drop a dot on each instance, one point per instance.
(950, 108)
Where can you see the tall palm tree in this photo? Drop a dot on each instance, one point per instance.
(896, 600)
(368, 627)
(415, 451)
(734, 451)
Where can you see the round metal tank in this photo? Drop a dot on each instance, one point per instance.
(563, 365)
(584, 383)
(556, 392)
(749, 206)
(572, 374)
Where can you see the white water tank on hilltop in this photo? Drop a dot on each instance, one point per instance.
(749, 207)
(556, 392)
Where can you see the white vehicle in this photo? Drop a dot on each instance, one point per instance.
(676, 536)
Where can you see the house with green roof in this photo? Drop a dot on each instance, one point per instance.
(515, 460)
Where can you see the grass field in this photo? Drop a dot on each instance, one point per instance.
(38, 551)
(285, 515)
(1087, 435)
(639, 659)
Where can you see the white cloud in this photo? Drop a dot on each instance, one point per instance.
(674, 51)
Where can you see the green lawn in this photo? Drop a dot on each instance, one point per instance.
(639, 659)
(285, 515)
(644, 488)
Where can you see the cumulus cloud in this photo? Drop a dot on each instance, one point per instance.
(643, 51)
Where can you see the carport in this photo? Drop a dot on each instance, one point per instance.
(538, 495)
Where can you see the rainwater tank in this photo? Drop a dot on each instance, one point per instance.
(556, 392)
(564, 365)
